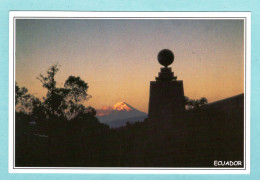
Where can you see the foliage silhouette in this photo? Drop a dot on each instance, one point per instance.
(24, 101)
(66, 101)
(47, 130)
(195, 103)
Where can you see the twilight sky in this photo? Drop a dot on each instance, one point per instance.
(118, 58)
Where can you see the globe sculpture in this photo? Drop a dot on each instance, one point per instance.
(165, 57)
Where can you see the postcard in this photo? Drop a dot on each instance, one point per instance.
(129, 92)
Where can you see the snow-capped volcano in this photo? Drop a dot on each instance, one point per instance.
(122, 106)
(119, 114)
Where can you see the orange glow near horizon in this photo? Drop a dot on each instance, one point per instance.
(118, 58)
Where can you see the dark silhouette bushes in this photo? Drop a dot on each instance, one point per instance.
(56, 130)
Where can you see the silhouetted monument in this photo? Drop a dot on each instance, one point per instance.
(166, 93)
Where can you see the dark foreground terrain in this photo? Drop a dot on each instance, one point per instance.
(194, 139)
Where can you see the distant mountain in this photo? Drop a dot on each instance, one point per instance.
(119, 115)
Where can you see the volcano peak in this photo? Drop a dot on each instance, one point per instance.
(122, 106)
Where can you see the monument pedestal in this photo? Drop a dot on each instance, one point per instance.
(166, 93)
(166, 100)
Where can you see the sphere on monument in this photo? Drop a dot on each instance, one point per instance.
(165, 57)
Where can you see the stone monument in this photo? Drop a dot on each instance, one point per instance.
(166, 93)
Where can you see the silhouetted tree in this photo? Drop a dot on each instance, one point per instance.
(77, 94)
(195, 103)
(203, 101)
(66, 101)
(24, 101)
(59, 127)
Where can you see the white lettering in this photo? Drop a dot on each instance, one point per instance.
(215, 163)
(227, 163)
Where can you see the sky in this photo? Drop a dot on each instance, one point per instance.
(118, 57)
